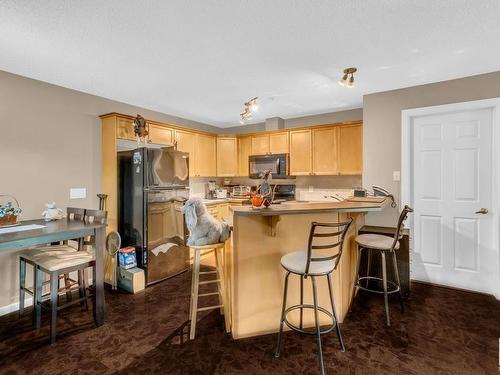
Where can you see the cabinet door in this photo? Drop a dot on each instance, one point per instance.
(244, 151)
(278, 143)
(227, 157)
(223, 211)
(300, 153)
(125, 129)
(350, 149)
(161, 135)
(260, 144)
(206, 155)
(186, 142)
(325, 151)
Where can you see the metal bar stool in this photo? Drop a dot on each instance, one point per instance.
(218, 250)
(384, 245)
(310, 264)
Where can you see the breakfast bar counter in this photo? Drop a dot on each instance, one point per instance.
(261, 237)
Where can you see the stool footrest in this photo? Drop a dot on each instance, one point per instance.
(208, 294)
(209, 282)
(395, 287)
(209, 307)
(207, 272)
(310, 307)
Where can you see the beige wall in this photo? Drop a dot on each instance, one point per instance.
(50, 142)
(382, 126)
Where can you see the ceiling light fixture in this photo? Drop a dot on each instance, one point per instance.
(347, 79)
(251, 106)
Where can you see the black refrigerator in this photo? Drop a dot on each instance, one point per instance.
(153, 184)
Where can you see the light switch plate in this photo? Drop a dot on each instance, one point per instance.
(77, 193)
(396, 176)
(311, 188)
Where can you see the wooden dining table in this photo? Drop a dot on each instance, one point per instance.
(61, 230)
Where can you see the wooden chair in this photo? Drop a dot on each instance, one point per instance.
(56, 263)
(77, 214)
(218, 250)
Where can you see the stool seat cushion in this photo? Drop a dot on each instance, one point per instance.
(59, 259)
(375, 241)
(31, 253)
(296, 262)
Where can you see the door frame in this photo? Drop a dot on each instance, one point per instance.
(407, 116)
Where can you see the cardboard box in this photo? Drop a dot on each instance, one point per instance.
(126, 258)
(131, 280)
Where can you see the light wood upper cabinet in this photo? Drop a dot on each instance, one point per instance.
(278, 143)
(325, 151)
(227, 156)
(260, 144)
(244, 151)
(350, 149)
(300, 152)
(186, 142)
(206, 155)
(125, 128)
(161, 135)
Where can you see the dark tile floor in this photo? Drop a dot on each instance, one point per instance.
(442, 332)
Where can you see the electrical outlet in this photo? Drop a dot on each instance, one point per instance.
(311, 189)
(77, 193)
(396, 176)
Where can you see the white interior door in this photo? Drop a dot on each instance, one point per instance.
(452, 167)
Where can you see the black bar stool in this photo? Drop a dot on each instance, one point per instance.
(309, 264)
(383, 245)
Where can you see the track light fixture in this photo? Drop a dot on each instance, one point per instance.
(251, 106)
(347, 79)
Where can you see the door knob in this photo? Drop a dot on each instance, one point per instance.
(482, 211)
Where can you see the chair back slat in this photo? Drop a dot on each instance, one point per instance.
(341, 230)
(96, 216)
(331, 246)
(399, 231)
(76, 214)
(333, 234)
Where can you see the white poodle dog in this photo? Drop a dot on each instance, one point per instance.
(204, 228)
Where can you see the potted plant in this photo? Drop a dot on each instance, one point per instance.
(9, 213)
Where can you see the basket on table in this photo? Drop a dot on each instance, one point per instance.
(9, 211)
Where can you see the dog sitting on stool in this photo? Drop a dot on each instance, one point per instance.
(204, 228)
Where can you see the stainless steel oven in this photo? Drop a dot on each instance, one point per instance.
(276, 163)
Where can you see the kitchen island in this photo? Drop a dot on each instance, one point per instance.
(261, 238)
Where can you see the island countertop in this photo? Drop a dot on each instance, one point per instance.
(290, 208)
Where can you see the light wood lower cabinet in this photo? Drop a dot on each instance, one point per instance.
(325, 151)
(350, 149)
(227, 156)
(161, 135)
(244, 151)
(300, 152)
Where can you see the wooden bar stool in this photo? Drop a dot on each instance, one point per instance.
(218, 250)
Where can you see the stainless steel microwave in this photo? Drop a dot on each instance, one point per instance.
(276, 163)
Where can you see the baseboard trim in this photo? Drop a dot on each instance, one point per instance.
(4, 310)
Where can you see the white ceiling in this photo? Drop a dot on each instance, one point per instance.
(201, 59)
